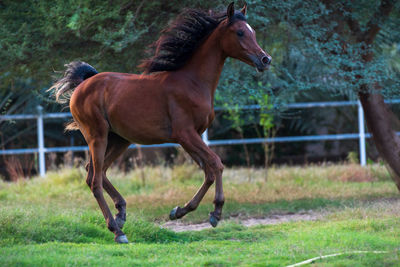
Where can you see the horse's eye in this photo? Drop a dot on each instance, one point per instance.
(240, 33)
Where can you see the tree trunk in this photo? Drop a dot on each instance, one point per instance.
(380, 119)
(379, 122)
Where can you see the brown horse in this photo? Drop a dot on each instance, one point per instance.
(172, 101)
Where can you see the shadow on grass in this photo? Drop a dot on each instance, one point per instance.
(17, 228)
(39, 225)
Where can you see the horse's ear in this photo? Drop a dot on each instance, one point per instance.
(244, 9)
(231, 10)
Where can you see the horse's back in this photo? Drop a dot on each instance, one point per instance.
(135, 106)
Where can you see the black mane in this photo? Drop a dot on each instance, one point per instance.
(181, 38)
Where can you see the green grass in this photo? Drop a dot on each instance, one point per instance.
(56, 221)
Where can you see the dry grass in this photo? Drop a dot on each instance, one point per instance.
(19, 167)
(172, 186)
(379, 208)
(325, 181)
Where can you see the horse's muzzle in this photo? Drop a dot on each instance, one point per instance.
(261, 62)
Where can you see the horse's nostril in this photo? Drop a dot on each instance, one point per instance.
(266, 60)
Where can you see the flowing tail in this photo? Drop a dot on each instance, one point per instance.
(76, 72)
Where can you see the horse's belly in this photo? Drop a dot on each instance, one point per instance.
(141, 128)
(138, 136)
(137, 112)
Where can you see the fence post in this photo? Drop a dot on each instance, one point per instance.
(361, 130)
(204, 136)
(40, 136)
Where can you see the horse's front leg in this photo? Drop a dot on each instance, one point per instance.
(212, 166)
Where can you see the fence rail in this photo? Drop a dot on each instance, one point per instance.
(41, 149)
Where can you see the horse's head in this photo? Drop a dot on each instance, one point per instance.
(239, 40)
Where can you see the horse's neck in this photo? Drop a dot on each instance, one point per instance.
(206, 64)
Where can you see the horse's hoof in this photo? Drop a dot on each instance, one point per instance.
(172, 214)
(122, 239)
(213, 220)
(120, 222)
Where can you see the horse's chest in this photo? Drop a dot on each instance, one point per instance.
(190, 110)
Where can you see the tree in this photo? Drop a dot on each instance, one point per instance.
(379, 117)
(346, 49)
(355, 37)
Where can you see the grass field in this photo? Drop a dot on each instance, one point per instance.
(56, 221)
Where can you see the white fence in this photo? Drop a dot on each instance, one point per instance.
(41, 149)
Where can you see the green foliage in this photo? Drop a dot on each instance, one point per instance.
(39, 37)
(352, 157)
(233, 115)
(266, 118)
(315, 54)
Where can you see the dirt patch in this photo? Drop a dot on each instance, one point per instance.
(178, 226)
(373, 207)
(282, 218)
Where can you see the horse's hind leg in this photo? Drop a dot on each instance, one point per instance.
(96, 135)
(212, 166)
(115, 147)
